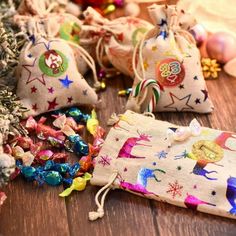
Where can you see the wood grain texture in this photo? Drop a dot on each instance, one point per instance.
(30, 210)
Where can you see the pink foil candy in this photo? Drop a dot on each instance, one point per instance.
(43, 156)
(43, 131)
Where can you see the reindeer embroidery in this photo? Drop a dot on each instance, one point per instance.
(130, 143)
(140, 186)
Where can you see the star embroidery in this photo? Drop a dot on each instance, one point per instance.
(85, 92)
(120, 37)
(163, 22)
(30, 77)
(47, 46)
(195, 77)
(66, 82)
(181, 86)
(52, 104)
(33, 89)
(197, 101)
(34, 107)
(51, 90)
(205, 92)
(154, 48)
(145, 65)
(162, 154)
(179, 104)
(69, 100)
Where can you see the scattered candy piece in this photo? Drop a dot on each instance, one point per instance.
(43, 131)
(78, 184)
(78, 116)
(53, 178)
(92, 123)
(125, 92)
(80, 147)
(183, 133)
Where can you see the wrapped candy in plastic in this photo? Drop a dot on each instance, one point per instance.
(116, 38)
(80, 147)
(26, 157)
(52, 173)
(43, 131)
(78, 184)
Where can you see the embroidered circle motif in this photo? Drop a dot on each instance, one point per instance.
(137, 35)
(170, 72)
(53, 63)
(70, 31)
(206, 151)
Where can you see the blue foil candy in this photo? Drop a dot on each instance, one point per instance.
(80, 146)
(77, 114)
(53, 178)
(29, 172)
(74, 169)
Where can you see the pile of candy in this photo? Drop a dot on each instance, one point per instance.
(44, 160)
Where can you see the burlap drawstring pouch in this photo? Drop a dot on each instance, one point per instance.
(168, 76)
(192, 167)
(48, 77)
(115, 39)
(64, 26)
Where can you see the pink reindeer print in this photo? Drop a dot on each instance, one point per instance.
(130, 143)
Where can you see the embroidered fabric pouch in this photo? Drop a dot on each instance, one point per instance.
(64, 26)
(48, 77)
(192, 167)
(169, 76)
(115, 38)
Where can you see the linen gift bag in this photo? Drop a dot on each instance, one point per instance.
(168, 76)
(192, 167)
(65, 26)
(48, 77)
(115, 38)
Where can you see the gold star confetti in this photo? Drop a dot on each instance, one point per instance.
(210, 68)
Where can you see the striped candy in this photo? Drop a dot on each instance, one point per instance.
(148, 84)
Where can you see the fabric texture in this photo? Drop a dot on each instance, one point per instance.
(64, 26)
(49, 78)
(196, 170)
(116, 38)
(169, 75)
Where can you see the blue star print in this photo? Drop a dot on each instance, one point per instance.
(161, 155)
(184, 154)
(66, 82)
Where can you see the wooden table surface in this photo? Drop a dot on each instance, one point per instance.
(31, 210)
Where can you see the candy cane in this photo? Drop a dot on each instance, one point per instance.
(147, 84)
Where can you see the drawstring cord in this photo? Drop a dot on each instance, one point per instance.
(89, 60)
(94, 215)
(100, 52)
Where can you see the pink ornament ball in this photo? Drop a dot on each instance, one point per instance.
(199, 33)
(221, 46)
